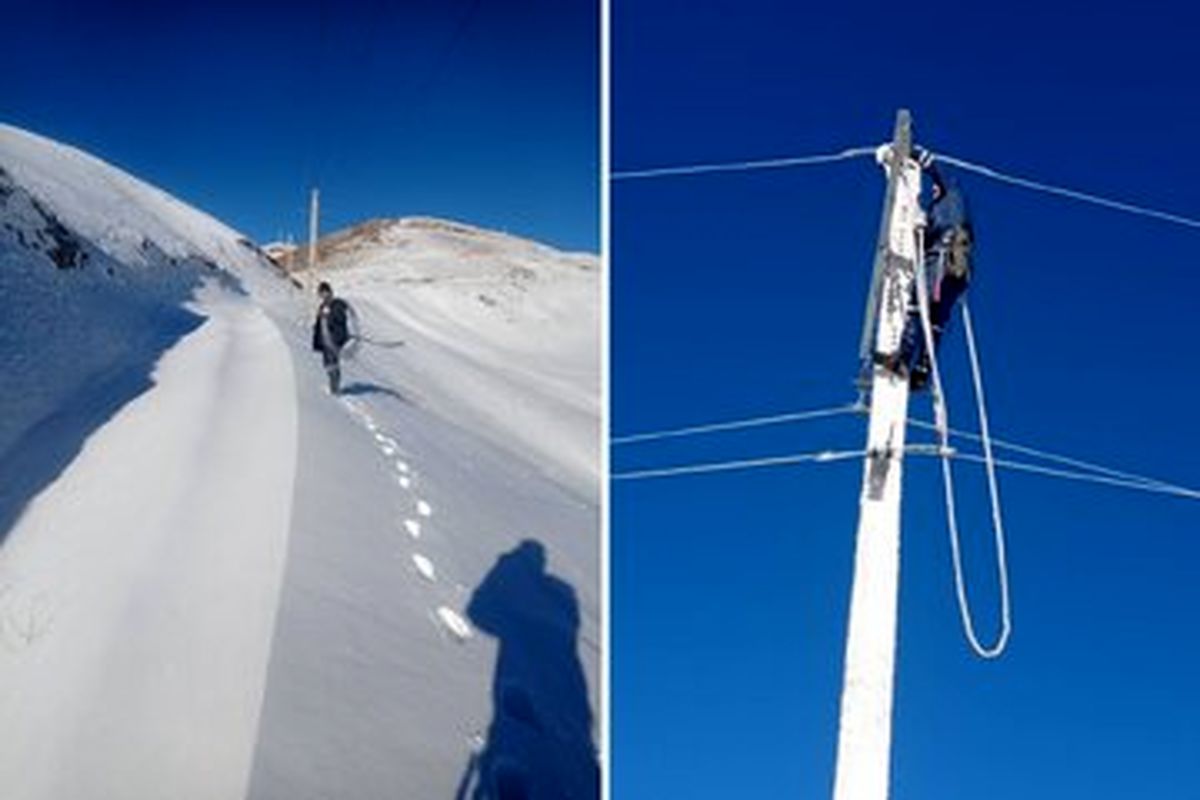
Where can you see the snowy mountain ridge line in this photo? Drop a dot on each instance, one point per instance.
(379, 229)
(115, 210)
(435, 248)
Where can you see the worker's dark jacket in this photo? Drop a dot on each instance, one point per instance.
(947, 213)
(949, 237)
(331, 331)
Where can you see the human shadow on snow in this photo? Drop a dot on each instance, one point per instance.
(539, 744)
(361, 388)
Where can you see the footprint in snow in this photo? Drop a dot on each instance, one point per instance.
(424, 567)
(404, 481)
(413, 527)
(402, 467)
(387, 449)
(424, 509)
(456, 625)
(24, 618)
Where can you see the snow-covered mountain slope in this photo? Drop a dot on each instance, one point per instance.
(91, 260)
(505, 330)
(217, 581)
(115, 211)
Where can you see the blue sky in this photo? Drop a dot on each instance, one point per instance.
(738, 295)
(471, 109)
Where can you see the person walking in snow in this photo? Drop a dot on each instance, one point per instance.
(331, 332)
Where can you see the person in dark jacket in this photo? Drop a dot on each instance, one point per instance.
(331, 332)
(948, 240)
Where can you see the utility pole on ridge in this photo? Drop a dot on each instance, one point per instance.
(313, 210)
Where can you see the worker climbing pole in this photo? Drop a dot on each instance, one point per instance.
(922, 268)
(864, 736)
(898, 351)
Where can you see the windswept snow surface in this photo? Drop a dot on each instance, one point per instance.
(141, 586)
(217, 581)
(90, 260)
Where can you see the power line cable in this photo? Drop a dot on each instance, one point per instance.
(825, 456)
(442, 60)
(1074, 194)
(962, 163)
(1118, 477)
(832, 456)
(1086, 477)
(822, 457)
(1088, 466)
(743, 166)
(750, 422)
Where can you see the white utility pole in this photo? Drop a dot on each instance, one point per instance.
(313, 211)
(865, 726)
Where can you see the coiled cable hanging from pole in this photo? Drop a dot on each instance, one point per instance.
(941, 421)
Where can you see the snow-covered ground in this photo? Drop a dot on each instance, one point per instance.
(216, 581)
